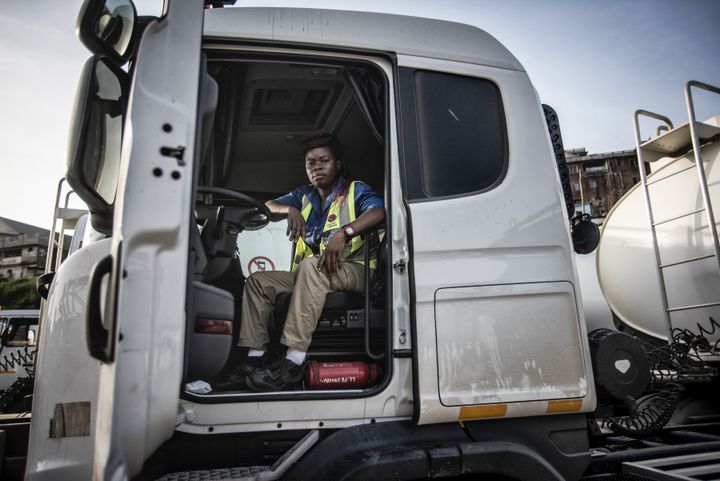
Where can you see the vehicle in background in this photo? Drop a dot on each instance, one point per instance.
(18, 340)
(18, 348)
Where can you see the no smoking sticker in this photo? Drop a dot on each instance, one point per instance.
(260, 264)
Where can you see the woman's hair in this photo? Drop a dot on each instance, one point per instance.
(324, 140)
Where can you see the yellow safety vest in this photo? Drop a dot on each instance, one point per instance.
(340, 213)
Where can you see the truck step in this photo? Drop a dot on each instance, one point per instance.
(225, 474)
(691, 467)
(250, 473)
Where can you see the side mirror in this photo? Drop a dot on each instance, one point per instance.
(585, 234)
(108, 28)
(95, 141)
(43, 284)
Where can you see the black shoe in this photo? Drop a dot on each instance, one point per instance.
(281, 375)
(235, 381)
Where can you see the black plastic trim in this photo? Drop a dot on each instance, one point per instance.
(406, 116)
(43, 284)
(97, 335)
(101, 340)
(552, 122)
(529, 449)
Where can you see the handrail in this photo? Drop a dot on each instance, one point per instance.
(49, 257)
(368, 351)
(699, 162)
(648, 206)
(652, 115)
(49, 261)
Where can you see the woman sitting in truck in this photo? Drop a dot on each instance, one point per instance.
(323, 220)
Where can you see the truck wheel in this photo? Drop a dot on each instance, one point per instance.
(11, 400)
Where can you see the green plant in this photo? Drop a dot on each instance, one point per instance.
(19, 293)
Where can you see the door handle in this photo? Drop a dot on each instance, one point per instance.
(97, 336)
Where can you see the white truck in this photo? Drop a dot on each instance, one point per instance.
(470, 345)
(18, 344)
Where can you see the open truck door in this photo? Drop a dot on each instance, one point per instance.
(136, 325)
(490, 257)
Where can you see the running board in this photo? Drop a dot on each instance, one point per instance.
(251, 473)
(688, 467)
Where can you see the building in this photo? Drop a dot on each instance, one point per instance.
(23, 249)
(598, 181)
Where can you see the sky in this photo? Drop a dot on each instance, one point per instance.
(595, 62)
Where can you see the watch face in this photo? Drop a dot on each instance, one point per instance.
(349, 231)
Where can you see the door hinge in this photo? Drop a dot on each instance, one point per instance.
(400, 266)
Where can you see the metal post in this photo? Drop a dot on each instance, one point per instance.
(700, 166)
(51, 242)
(580, 183)
(49, 260)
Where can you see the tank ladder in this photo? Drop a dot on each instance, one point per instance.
(69, 218)
(673, 143)
(56, 240)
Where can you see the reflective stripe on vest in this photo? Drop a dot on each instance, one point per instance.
(340, 213)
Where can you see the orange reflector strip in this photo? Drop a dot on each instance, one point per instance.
(213, 326)
(480, 412)
(564, 406)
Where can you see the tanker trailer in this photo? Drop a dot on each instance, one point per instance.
(657, 261)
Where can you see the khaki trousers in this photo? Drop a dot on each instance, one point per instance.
(308, 285)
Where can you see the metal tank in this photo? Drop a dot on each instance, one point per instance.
(657, 261)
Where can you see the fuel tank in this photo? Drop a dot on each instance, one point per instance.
(626, 264)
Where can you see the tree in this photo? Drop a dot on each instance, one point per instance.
(19, 293)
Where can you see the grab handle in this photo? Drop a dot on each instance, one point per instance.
(97, 336)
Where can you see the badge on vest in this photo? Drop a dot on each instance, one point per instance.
(332, 222)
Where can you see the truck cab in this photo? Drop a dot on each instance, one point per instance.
(472, 323)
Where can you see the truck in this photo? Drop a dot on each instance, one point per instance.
(18, 342)
(467, 356)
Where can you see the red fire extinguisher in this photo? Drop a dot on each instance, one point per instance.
(340, 375)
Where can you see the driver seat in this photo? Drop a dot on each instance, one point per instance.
(341, 327)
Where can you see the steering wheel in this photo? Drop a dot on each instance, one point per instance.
(257, 217)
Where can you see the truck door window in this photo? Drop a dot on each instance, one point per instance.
(455, 134)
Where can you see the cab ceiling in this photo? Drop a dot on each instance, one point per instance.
(267, 109)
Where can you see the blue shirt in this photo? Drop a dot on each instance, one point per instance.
(365, 199)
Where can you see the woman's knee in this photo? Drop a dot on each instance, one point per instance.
(308, 266)
(309, 273)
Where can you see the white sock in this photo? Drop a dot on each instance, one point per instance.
(298, 357)
(255, 352)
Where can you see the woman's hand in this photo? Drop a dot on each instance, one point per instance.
(331, 259)
(295, 224)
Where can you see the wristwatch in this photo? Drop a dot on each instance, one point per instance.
(349, 231)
